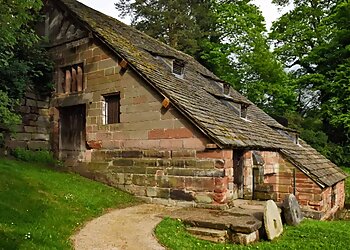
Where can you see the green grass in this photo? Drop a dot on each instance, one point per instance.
(41, 208)
(308, 235)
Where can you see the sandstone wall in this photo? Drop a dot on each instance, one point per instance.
(279, 175)
(153, 152)
(33, 133)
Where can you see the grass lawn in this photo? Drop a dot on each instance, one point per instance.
(309, 234)
(41, 208)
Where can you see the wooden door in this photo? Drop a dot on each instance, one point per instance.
(72, 128)
(238, 170)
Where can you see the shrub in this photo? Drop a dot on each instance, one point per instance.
(41, 156)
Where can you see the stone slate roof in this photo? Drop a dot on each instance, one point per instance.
(196, 95)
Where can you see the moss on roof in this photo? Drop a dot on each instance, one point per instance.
(191, 96)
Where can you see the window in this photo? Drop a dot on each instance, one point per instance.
(178, 67)
(112, 108)
(244, 111)
(72, 79)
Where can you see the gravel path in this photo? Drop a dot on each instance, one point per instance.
(122, 229)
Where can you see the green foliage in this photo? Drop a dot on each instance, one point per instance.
(15, 26)
(41, 156)
(7, 116)
(313, 40)
(23, 64)
(311, 130)
(228, 37)
(242, 57)
(182, 24)
(309, 235)
(41, 208)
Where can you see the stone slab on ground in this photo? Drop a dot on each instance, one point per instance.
(220, 220)
(213, 235)
(245, 239)
(272, 220)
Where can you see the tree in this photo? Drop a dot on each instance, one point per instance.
(22, 61)
(180, 23)
(228, 37)
(314, 40)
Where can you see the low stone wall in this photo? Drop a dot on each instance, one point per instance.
(204, 177)
(33, 133)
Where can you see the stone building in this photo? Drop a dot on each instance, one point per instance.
(137, 114)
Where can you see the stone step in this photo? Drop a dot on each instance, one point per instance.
(213, 235)
(219, 220)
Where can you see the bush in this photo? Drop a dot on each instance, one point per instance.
(41, 156)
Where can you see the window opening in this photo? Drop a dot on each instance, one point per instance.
(178, 67)
(111, 112)
(73, 79)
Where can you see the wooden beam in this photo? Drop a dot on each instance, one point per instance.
(166, 102)
(80, 76)
(74, 80)
(211, 146)
(68, 81)
(123, 64)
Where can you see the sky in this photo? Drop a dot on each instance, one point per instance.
(269, 10)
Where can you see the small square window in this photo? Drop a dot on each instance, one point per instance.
(112, 108)
(178, 67)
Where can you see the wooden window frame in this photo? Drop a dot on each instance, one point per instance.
(111, 114)
(73, 79)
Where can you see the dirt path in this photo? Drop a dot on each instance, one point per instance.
(122, 229)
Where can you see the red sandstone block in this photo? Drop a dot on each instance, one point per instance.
(194, 143)
(171, 144)
(156, 134)
(95, 144)
(305, 196)
(220, 197)
(178, 133)
(228, 163)
(215, 154)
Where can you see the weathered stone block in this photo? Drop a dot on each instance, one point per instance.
(44, 145)
(177, 194)
(181, 172)
(139, 179)
(97, 166)
(183, 153)
(156, 154)
(41, 137)
(203, 198)
(135, 169)
(23, 136)
(205, 164)
(131, 154)
(245, 239)
(123, 162)
(145, 162)
(176, 182)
